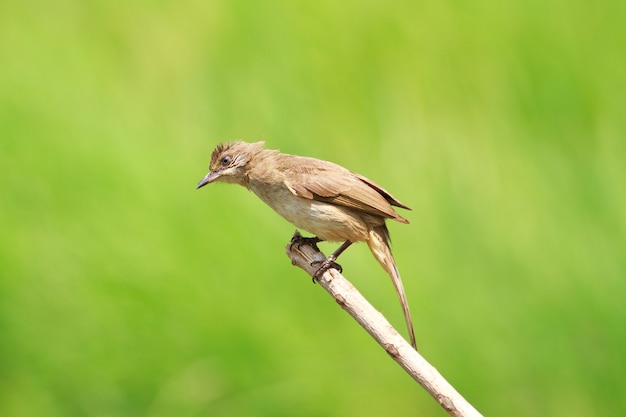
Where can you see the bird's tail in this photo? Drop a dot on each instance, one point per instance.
(379, 245)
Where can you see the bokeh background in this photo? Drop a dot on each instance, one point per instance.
(126, 292)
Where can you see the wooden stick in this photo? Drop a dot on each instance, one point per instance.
(308, 257)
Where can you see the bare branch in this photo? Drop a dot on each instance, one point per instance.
(308, 257)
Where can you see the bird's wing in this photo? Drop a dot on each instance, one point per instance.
(324, 181)
(391, 199)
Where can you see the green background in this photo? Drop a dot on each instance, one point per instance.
(126, 292)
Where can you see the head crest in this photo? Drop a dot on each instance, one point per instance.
(219, 149)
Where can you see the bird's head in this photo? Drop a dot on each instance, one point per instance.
(229, 162)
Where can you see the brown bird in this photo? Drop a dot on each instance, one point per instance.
(331, 202)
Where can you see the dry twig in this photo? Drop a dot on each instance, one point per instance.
(350, 299)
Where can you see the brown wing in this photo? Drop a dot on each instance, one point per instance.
(324, 181)
(391, 199)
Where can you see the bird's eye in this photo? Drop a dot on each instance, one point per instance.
(226, 160)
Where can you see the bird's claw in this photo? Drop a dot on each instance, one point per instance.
(299, 240)
(325, 266)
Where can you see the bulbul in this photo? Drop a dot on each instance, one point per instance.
(323, 198)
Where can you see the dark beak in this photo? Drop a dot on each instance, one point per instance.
(208, 178)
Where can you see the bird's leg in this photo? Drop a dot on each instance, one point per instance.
(330, 262)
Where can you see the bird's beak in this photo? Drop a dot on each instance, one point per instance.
(208, 178)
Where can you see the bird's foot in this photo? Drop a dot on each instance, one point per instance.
(325, 266)
(298, 239)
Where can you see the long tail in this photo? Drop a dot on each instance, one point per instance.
(379, 245)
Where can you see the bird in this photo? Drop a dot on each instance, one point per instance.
(321, 197)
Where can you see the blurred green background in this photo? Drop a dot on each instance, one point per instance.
(126, 292)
